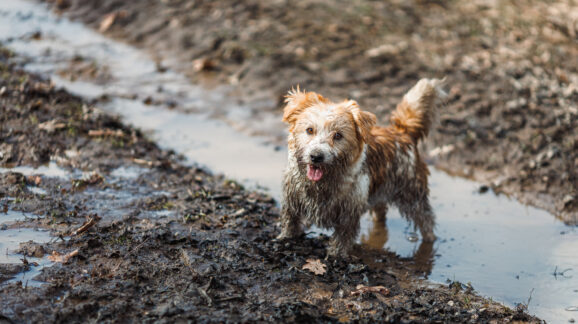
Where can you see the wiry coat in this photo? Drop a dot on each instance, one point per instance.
(342, 165)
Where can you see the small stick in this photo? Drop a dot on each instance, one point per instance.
(90, 223)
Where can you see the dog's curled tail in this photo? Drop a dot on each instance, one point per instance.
(416, 112)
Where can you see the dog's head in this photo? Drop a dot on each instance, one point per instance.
(325, 136)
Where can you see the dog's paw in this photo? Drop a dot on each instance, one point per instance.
(337, 252)
(281, 237)
(287, 235)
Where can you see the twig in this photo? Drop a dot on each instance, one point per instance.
(562, 273)
(57, 257)
(205, 295)
(360, 289)
(529, 298)
(90, 223)
(105, 132)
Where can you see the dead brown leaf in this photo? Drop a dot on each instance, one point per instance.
(204, 65)
(315, 266)
(62, 258)
(34, 179)
(142, 162)
(51, 125)
(107, 21)
(361, 289)
(93, 178)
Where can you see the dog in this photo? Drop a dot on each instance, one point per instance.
(341, 164)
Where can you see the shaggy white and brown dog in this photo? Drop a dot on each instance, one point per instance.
(341, 164)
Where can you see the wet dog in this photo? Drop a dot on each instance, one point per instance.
(341, 164)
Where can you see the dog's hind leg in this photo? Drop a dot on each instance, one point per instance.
(419, 211)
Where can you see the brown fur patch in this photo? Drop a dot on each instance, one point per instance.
(296, 101)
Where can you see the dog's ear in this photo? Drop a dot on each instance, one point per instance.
(363, 120)
(296, 101)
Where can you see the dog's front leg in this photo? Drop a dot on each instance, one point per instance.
(343, 239)
(290, 222)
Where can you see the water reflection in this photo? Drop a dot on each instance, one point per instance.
(376, 238)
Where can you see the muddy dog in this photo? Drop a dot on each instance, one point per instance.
(341, 164)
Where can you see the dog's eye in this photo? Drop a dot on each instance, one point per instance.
(309, 131)
(337, 136)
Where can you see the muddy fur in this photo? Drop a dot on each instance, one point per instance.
(341, 164)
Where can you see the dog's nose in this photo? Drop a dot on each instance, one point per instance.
(316, 157)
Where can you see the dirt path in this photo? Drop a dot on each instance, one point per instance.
(512, 112)
(159, 241)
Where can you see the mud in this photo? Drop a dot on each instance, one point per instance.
(207, 255)
(510, 117)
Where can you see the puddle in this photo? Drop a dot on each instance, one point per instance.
(36, 190)
(11, 216)
(111, 204)
(205, 141)
(505, 250)
(165, 213)
(51, 170)
(208, 142)
(10, 240)
(129, 173)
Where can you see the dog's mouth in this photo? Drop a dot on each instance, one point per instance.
(314, 172)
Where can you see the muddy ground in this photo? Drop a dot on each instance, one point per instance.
(178, 244)
(511, 114)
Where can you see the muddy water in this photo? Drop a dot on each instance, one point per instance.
(15, 230)
(49, 170)
(510, 252)
(10, 238)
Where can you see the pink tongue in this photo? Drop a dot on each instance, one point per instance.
(314, 173)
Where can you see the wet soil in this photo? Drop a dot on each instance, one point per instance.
(511, 114)
(180, 243)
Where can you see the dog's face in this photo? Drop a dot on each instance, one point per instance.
(326, 137)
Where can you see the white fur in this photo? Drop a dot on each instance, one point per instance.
(414, 95)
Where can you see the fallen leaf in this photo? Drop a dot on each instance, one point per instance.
(315, 266)
(142, 162)
(204, 65)
(93, 178)
(87, 180)
(35, 179)
(361, 289)
(107, 21)
(62, 258)
(148, 101)
(51, 125)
